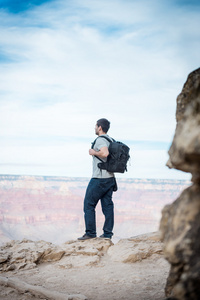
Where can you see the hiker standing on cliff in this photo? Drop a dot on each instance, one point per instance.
(100, 187)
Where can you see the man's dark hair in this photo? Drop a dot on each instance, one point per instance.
(104, 123)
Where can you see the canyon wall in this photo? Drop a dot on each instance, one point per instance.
(51, 208)
(180, 223)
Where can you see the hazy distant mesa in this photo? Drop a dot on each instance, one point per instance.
(51, 208)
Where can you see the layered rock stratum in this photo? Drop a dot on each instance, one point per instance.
(93, 269)
(180, 223)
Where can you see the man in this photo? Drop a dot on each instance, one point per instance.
(100, 187)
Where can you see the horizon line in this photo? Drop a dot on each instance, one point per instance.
(85, 177)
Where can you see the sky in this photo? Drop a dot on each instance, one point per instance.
(65, 64)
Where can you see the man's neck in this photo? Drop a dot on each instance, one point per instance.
(101, 133)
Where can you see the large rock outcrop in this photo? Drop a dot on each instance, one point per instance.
(95, 269)
(180, 223)
(26, 254)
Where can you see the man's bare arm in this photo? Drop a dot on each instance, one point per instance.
(102, 153)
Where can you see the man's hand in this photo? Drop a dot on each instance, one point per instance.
(92, 152)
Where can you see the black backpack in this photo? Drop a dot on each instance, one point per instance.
(117, 158)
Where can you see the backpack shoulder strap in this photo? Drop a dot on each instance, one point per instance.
(93, 143)
(92, 147)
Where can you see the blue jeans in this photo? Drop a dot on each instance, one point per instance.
(99, 189)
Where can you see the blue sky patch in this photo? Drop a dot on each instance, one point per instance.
(4, 58)
(17, 6)
(187, 2)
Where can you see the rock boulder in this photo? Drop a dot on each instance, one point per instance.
(180, 226)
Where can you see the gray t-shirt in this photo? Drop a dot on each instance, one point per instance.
(97, 172)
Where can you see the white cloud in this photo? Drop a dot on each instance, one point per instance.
(72, 159)
(70, 63)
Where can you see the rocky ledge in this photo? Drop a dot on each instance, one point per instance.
(41, 270)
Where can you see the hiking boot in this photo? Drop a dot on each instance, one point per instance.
(105, 237)
(86, 237)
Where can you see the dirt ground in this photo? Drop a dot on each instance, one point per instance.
(144, 280)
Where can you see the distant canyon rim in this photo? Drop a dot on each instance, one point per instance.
(51, 208)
